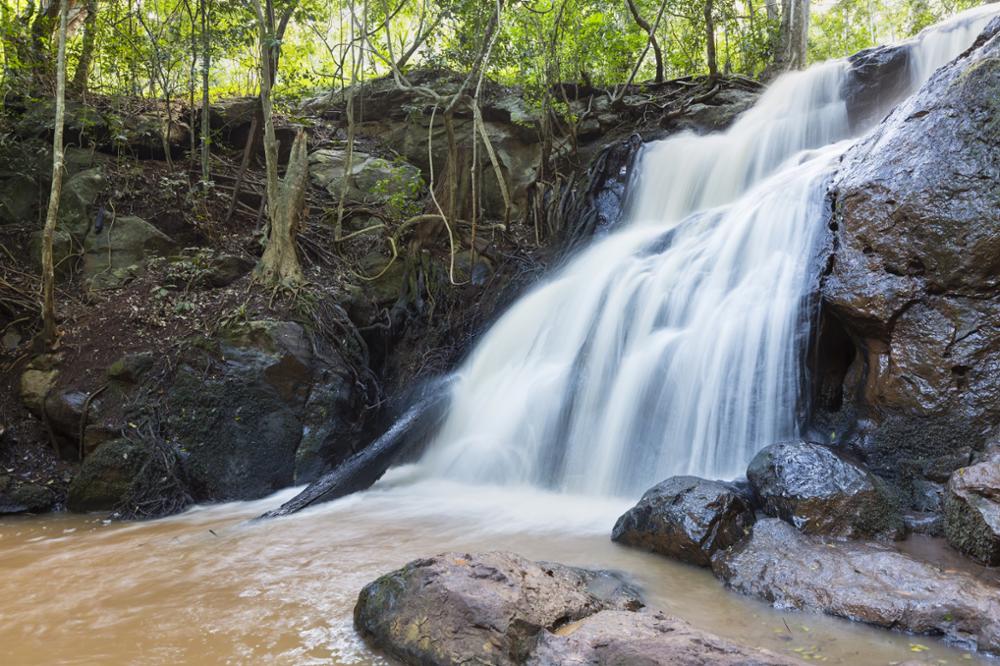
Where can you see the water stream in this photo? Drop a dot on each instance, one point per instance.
(670, 346)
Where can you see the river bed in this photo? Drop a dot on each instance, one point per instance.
(210, 587)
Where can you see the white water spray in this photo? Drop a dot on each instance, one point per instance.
(673, 346)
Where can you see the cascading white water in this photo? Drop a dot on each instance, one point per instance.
(674, 345)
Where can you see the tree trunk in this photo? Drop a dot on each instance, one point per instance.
(792, 38)
(713, 65)
(285, 197)
(52, 215)
(206, 129)
(82, 72)
(644, 24)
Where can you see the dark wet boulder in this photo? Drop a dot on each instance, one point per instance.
(820, 491)
(876, 79)
(454, 607)
(913, 281)
(646, 638)
(687, 518)
(259, 407)
(863, 582)
(106, 476)
(972, 511)
(500, 608)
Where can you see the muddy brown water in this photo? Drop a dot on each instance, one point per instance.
(209, 587)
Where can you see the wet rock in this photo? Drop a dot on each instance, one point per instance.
(913, 276)
(646, 638)
(862, 582)
(595, 200)
(877, 79)
(972, 511)
(244, 403)
(455, 607)
(117, 252)
(686, 518)
(819, 491)
(373, 179)
(499, 608)
(106, 476)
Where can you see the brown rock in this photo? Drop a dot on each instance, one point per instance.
(972, 511)
(643, 639)
(499, 608)
(448, 608)
(914, 276)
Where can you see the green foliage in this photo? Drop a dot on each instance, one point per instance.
(849, 26)
(153, 48)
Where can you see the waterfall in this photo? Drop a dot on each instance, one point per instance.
(675, 344)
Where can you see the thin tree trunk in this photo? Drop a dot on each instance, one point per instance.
(206, 129)
(285, 198)
(791, 41)
(82, 72)
(713, 65)
(52, 215)
(651, 33)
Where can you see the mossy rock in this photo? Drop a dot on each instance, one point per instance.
(106, 476)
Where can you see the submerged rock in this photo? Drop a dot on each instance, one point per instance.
(914, 276)
(972, 511)
(814, 488)
(863, 582)
(499, 608)
(645, 638)
(686, 518)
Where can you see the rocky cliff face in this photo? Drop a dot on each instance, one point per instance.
(911, 328)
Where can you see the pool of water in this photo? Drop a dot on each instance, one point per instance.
(211, 587)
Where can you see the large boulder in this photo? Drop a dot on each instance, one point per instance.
(448, 608)
(107, 476)
(972, 511)
(820, 491)
(912, 289)
(863, 582)
(259, 407)
(499, 608)
(373, 179)
(876, 79)
(687, 518)
(115, 252)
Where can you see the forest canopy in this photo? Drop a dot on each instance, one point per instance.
(157, 48)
